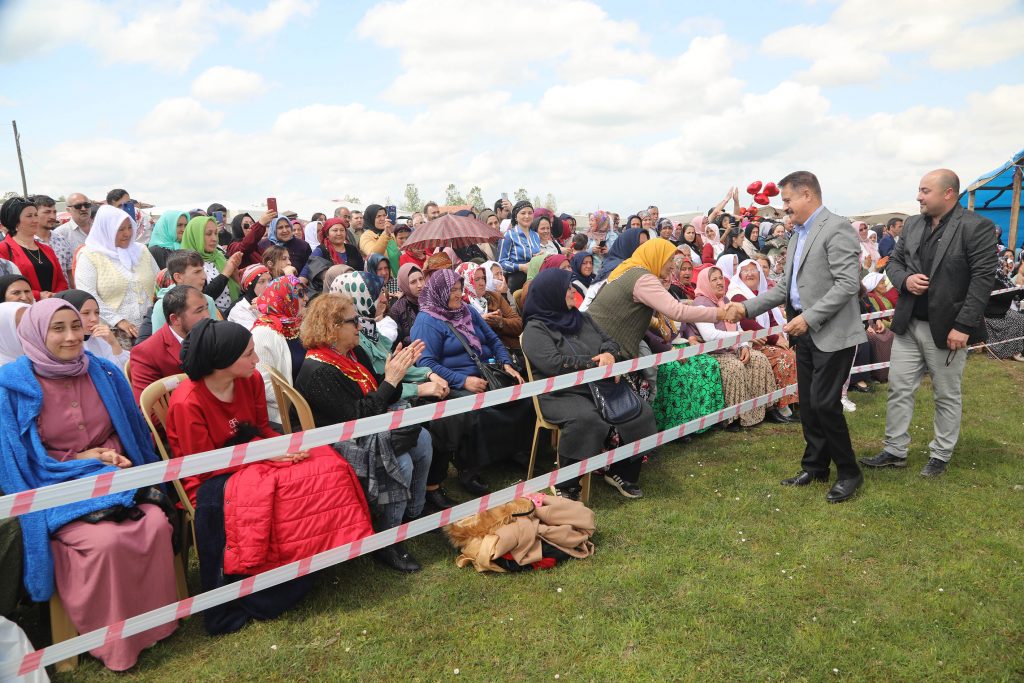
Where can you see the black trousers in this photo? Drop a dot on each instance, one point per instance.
(820, 378)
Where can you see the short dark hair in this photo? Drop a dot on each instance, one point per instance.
(115, 194)
(428, 205)
(215, 207)
(893, 221)
(579, 241)
(802, 179)
(176, 300)
(179, 261)
(498, 205)
(322, 217)
(42, 200)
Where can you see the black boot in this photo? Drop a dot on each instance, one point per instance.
(397, 557)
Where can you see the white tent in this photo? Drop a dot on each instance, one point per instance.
(883, 214)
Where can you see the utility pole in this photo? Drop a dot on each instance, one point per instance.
(21, 164)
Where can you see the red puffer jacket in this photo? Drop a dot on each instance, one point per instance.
(279, 512)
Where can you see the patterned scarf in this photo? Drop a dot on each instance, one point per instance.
(434, 302)
(347, 365)
(364, 288)
(278, 306)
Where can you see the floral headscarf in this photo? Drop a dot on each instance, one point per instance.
(603, 223)
(434, 302)
(467, 271)
(364, 288)
(279, 306)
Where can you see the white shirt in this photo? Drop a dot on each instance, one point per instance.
(243, 314)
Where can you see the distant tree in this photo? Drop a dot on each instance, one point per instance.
(536, 201)
(412, 198)
(521, 195)
(550, 203)
(452, 196)
(476, 198)
(351, 200)
(61, 198)
(8, 195)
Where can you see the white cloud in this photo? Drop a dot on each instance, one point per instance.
(854, 45)
(227, 84)
(179, 116)
(271, 19)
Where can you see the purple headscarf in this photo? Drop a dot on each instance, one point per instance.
(32, 331)
(434, 302)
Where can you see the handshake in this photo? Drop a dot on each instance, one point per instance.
(732, 313)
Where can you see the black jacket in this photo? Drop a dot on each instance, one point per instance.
(963, 272)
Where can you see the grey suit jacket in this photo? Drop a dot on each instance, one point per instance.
(828, 281)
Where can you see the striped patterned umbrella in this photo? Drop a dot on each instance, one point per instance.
(451, 231)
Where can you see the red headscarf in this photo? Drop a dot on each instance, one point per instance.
(332, 253)
(279, 306)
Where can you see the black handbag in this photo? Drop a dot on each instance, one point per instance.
(495, 376)
(616, 401)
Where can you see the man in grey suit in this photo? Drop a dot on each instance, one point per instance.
(819, 289)
(943, 268)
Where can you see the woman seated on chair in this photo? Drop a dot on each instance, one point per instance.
(559, 339)
(255, 517)
(479, 283)
(339, 383)
(458, 341)
(77, 418)
(276, 335)
(407, 307)
(99, 338)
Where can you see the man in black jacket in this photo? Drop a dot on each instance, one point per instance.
(943, 268)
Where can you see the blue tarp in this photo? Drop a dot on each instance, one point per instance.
(993, 195)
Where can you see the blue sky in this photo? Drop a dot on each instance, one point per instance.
(612, 104)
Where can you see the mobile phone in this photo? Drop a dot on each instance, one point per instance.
(271, 203)
(219, 217)
(504, 196)
(392, 212)
(602, 243)
(129, 208)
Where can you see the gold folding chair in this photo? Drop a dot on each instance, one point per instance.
(540, 424)
(288, 396)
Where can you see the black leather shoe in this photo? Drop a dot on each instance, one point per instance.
(863, 388)
(438, 500)
(474, 483)
(397, 557)
(804, 479)
(776, 417)
(883, 459)
(844, 489)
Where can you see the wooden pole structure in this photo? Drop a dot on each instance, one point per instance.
(1015, 207)
(21, 164)
(970, 200)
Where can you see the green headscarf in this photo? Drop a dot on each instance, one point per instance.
(194, 239)
(533, 267)
(165, 232)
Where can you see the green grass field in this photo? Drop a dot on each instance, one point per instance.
(718, 574)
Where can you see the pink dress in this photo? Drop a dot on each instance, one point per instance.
(109, 571)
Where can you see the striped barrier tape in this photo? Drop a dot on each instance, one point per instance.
(329, 558)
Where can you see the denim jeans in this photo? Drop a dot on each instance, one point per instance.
(415, 465)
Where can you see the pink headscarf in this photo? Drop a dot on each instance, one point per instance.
(32, 332)
(867, 247)
(704, 289)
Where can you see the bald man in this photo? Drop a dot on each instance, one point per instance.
(943, 268)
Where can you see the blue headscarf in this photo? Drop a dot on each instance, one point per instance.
(165, 232)
(272, 232)
(577, 265)
(624, 246)
(545, 302)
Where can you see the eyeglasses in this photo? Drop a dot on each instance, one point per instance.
(351, 321)
(82, 206)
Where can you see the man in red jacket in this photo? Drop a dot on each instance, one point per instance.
(160, 355)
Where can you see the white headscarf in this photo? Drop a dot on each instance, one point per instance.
(491, 284)
(727, 264)
(871, 281)
(10, 344)
(738, 286)
(103, 234)
(311, 234)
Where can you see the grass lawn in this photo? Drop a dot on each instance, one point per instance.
(717, 574)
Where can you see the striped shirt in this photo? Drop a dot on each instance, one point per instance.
(517, 248)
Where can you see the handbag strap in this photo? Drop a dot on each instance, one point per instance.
(473, 356)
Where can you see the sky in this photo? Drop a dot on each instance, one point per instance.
(613, 105)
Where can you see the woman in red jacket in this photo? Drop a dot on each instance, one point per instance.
(36, 261)
(254, 517)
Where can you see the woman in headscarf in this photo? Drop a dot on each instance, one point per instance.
(1003, 321)
(880, 337)
(749, 283)
(16, 288)
(379, 236)
(448, 327)
(600, 236)
(276, 335)
(746, 373)
(627, 243)
(751, 237)
(713, 246)
(559, 339)
(166, 236)
(539, 263)
(254, 517)
(379, 265)
(518, 246)
(119, 273)
(281, 232)
(11, 313)
(67, 415)
(479, 284)
(33, 259)
(201, 236)
(583, 274)
(248, 235)
(333, 249)
(254, 280)
(665, 230)
(869, 255)
(404, 311)
(340, 383)
(728, 264)
(99, 338)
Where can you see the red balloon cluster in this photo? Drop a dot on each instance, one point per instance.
(762, 193)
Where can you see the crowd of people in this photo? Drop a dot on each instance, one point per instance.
(360, 320)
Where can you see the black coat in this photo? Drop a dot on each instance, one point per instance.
(961, 279)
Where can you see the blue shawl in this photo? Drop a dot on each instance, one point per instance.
(25, 464)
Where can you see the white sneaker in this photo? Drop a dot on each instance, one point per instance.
(848, 405)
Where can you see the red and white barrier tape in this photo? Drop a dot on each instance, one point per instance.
(218, 596)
